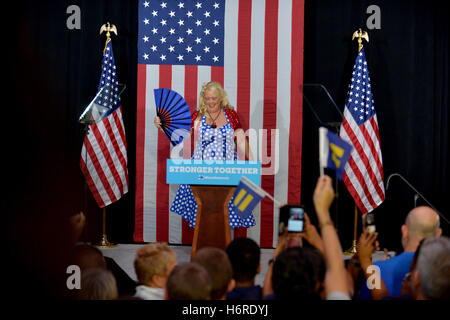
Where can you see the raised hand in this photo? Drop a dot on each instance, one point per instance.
(367, 245)
(323, 195)
(311, 234)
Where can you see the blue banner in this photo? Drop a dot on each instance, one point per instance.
(246, 198)
(209, 172)
(338, 154)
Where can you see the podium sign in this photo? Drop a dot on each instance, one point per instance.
(212, 172)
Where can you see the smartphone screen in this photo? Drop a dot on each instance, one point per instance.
(369, 222)
(296, 220)
(291, 219)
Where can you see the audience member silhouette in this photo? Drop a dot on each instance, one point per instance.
(407, 292)
(188, 281)
(87, 256)
(431, 278)
(421, 222)
(299, 270)
(244, 255)
(298, 273)
(219, 268)
(367, 245)
(153, 265)
(97, 284)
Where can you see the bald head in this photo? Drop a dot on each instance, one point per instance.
(422, 222)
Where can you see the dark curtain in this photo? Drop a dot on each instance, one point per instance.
(53, 72)
(408, 65)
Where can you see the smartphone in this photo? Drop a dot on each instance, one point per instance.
(291, 218)
(369, 222)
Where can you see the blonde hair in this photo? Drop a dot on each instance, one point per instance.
(218, 89)
(152, 259)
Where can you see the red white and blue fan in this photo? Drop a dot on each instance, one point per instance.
(174, 113)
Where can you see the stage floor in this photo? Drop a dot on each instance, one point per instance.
(124, 255)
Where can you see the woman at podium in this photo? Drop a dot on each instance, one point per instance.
(215, 125)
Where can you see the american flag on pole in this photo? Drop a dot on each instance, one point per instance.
(104, 152)
(364, 171)
(253, 48)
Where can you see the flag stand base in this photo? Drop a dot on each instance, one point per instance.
(105, 244)
(352, 250)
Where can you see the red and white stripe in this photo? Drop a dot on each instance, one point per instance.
(363, 174)
(263, 69)
(104, 159)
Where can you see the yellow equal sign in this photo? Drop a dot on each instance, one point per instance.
(239, 197)
(336, 155)
(245, 202)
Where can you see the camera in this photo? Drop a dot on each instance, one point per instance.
(291, 219)
(369, 222)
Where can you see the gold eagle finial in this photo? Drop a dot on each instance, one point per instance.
(360, 35)
(108, 28)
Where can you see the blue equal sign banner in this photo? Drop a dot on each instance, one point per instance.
(334, 152)
(209, 172)
(246, 198)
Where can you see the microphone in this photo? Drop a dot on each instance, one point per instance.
(416, 196)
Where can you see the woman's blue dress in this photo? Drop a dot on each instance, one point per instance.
(213, 144)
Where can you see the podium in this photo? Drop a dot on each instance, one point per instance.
(213, 184)
(212, 227)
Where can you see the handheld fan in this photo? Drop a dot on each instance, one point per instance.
(174, 113)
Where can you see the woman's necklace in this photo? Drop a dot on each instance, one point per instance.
(214, 120)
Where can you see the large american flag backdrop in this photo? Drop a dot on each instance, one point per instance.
(255, 49)
(363, 174)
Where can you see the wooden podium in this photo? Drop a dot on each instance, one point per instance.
(212, 228)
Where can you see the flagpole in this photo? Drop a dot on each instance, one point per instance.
(322, 156)
(355, 231)
(352, 250)
(359, 34)
(248, 181)
(273, 199)
(104, 243)
(86, 132)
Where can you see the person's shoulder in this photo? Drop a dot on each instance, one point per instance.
(245, 293)
(230, 110)
(386, 263)
(233, 117)
(195, 114)
(400, 259)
